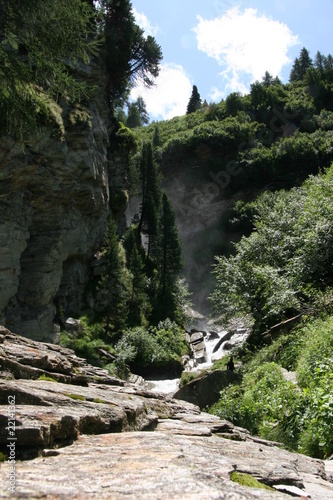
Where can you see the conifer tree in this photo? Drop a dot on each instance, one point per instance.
(156, 138)
(300, 66)
(170, 254)
(194, 102)
(114, 285)
(128, 54)
(133, 117)
(139, 307)
(151, 197)
(169, 264)
(142, 110)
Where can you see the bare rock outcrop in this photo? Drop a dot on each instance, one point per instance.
(205, 389)
(55, 198)
(91, 440)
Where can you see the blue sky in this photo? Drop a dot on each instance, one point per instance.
(222, 46)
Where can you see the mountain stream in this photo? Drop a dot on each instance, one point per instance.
(208, 344)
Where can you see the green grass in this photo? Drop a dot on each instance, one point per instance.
(47, 378)
(248, 480)
(75, 396)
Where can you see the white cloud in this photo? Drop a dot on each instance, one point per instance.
(246, 44)
(170, 95)
(144, 23)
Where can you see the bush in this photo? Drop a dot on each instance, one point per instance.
(267, 404)
(155, 347)
(286, 261)
(316, 360)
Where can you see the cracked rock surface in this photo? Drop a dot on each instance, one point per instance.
(107, 438)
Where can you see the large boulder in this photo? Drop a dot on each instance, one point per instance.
(205, 389)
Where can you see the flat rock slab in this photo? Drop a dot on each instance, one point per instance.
(155, 465)
(53, 414)
(87, 435)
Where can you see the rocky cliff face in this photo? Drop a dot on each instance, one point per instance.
(203, 206)
(54, 202)
(80, 433)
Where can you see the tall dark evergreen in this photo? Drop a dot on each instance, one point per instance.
(157, 137)
(300, 66)
(133, 117)
(151, 197)
(170, 253)
(142, 110)
(139, 307)
(194, 102)
(128, 54)
(114, 285)
(267, 79)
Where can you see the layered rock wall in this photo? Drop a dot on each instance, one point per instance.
(54, 203)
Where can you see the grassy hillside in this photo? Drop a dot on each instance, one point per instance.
(277, 135)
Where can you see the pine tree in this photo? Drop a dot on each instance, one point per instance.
(305, 62)
(114, 285)
(133, 117)
(169, 264)
(128, 54)
(267, 79)
(300, 66)
(139, 307)
(295, 74)
(142, 110)
(194, 102)
(157, 137)
(170, 253)
(151, 197)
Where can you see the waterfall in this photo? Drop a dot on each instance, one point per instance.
(208, 344)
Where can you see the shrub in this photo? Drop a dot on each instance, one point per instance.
(154, 347)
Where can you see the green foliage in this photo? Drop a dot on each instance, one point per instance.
(248, 480)
(42, 43)
(151, 348)
(3, 457)
(267, 404)
(47, 378)
(88, 340)
(125, 138)
(187, 377)
(77, 397)
(282, 265)
(315, 362)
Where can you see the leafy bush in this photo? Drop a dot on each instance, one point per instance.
(287, 259)
(267, 404)
(316, 360)
(142, 348)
